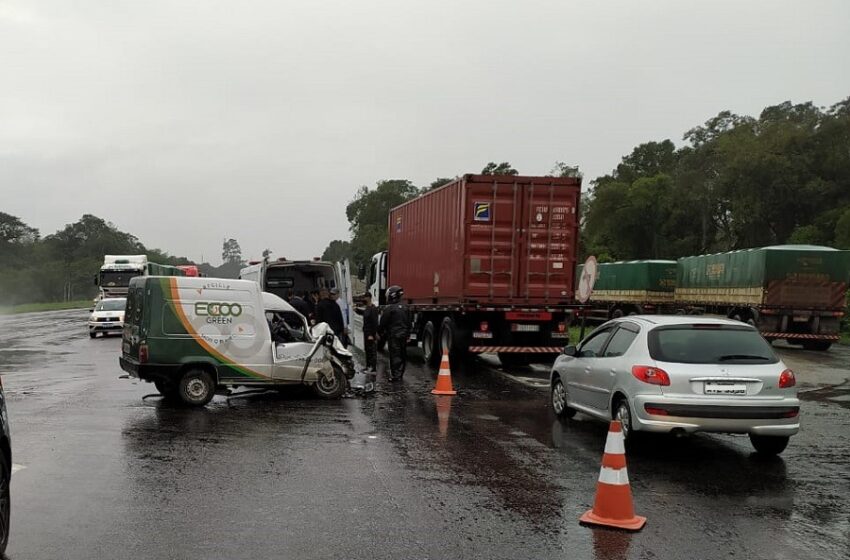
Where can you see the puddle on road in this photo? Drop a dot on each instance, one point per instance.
(838, 394)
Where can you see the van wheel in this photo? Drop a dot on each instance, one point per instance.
(430, 345)
(5, 508)
(196, 387)
(769, 445)
(331, 387)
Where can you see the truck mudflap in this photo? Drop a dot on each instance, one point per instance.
(518, 349)
(801, 336)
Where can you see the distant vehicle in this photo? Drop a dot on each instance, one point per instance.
(117, 270)
(282, 275)
(632, 288)
(194, 336)
(107, 317)
(189, 270)
(487, 263)
(791, 292)
(674, 373)
(5, 472)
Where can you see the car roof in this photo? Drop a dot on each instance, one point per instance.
(664, 320)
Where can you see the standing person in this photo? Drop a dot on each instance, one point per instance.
(327, 311)
(395, 328)
(299, 304)
(345, 337)
(310, 298)
(370, 331)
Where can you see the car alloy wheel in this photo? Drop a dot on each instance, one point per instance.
(624, 415)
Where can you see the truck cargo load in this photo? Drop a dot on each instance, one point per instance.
(632, 287)
(488, 239)
(487, 263)
(796, 292)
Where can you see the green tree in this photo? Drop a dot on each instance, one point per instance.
(231, 252)
(503, 168)
(842, 230)
(438, 182)
(337, 250)
(369, 213)
(561, 169)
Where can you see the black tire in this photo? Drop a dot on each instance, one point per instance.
(331, 387)
(769, 445)
(196, 387)
(92, 335)
(559, 399)
(5, 502)
(617, 313)
(514, 359)
(818, 345)
(431, 345)
(450, 338)
(623, 413)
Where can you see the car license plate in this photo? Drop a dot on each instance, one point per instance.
(725, 389)
(560, 335)
(800, 318)
(525, 328)
(482, 335)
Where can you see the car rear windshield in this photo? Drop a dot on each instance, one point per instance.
(710, 344)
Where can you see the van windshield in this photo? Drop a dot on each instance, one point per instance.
(710, 344)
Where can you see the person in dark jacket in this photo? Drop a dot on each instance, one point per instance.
(327, 311)
(370, 331)
(395, 328)
(299, 304)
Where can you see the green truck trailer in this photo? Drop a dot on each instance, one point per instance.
(791, 292)
(632, 288)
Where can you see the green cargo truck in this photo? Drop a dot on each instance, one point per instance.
(632, 288)
(791, 292)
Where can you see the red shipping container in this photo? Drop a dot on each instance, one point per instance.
(488, 239)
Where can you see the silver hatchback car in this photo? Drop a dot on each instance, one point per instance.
(680, 374)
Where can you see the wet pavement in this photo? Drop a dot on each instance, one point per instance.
(103, 472)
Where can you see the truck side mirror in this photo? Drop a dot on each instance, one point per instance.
(569, 351)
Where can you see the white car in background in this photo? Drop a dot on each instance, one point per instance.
(107, 317)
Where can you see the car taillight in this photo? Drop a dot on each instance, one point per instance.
(143, 354)
(651, 375)
(793, 413)
(484, 326)
(787, 379)
(655, 411)
(562, 327)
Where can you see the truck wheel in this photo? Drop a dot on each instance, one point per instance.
(331, 387)
(769, 445)
(92, 335)
(431, 345)
(617, 313)
(196, 387)
(819, 345)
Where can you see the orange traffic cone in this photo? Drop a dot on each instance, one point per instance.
(444, 411)
(613, 506)
(444, 378)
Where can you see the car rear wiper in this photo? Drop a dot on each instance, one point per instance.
(742, 357)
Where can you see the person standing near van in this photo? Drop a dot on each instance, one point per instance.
(370, 331)
(299, 304)
(395, 328)
(327, 311)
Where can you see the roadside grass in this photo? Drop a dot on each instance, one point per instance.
(35, 307)
(845, 338)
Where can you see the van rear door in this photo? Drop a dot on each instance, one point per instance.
(346, 297)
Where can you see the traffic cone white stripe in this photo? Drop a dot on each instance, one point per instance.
(615, 444)
(617, 477)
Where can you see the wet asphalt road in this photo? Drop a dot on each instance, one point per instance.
(104, 473)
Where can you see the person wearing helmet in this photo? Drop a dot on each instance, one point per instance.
(395, 329)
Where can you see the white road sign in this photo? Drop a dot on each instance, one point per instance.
(589, 273)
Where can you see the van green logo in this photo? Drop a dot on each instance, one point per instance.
(216, 309)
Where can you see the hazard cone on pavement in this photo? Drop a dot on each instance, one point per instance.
(444, 378)
(613, 506)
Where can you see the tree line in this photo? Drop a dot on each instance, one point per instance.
(735, 182)
(62, 266)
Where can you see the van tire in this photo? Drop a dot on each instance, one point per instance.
(331, 388)
(196, 387)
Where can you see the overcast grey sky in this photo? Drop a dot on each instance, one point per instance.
(187, 121)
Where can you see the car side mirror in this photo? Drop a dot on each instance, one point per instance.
(570, 351)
